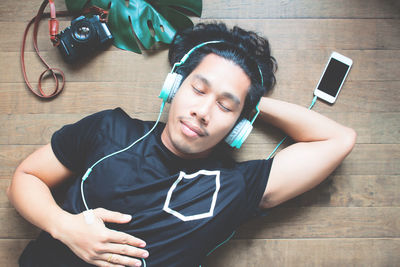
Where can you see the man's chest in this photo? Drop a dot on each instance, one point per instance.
(138, 186)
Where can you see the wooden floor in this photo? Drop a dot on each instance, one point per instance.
(352, 219)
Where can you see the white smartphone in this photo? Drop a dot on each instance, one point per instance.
(333, 77)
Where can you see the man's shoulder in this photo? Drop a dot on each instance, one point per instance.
(225, 155)
(118, 117)
(116, 124)
(118, 114)
(255, 162)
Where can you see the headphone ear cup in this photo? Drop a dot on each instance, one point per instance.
(170, 86)
(239, 133)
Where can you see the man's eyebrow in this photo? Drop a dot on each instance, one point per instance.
(203, 80)
(224, 94)
(232, 97)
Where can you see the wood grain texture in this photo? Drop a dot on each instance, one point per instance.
(346, 34)
(14, 226)
(365, 159)
(275, 252)
(307, 252)
(10, 250)
(225, 9)
(324, 222)
(283, 9)
(350, 219)
(369, 65)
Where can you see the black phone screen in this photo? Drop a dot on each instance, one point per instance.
(333, 77)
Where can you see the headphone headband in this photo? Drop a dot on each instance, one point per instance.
(185, 57)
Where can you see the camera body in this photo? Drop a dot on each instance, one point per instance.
(84, 36)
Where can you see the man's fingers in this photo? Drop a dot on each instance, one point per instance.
(126, 250)
(112, 216)
(102, 263)
(116, 260)
(124, 238)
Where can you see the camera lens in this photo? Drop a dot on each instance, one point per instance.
(83, 31)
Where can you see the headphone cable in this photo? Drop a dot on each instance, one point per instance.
(283, 140)
(86, 175)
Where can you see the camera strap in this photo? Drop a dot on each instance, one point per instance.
(58, 75)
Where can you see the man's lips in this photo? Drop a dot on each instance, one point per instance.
(191, 129)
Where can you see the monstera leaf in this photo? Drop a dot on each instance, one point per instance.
(151, 21)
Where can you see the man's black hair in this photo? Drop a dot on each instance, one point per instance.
(245, 48)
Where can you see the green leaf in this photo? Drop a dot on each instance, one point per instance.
(194, 6)
(151, 21)
(178, 20)
(75, 6)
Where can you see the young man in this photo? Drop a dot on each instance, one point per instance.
(176, 194)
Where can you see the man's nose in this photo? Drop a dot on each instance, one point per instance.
(202, 110)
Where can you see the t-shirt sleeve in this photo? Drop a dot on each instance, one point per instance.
(256, 174)
(72, 143)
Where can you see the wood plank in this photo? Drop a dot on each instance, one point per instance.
(86, 97)
(333, 34)
(336, 191)
(14, 226)
(10, 250)
(5, 181)
(17, 11)
(307, 252)
(355, 96)
(324, 222)
(381, 128)
(351, 191)
(370, 65)
(109, 66)
(24, 11)
(280, 222)
(284, 9)
(36, 129)
(365, 159)
(135, 97)
(287, 34)
(275, 252)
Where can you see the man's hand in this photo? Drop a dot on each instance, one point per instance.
(87, 236)
(30, 193)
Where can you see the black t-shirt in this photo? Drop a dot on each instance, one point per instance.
(181, 208)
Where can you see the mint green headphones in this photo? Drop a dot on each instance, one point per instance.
(171, 85)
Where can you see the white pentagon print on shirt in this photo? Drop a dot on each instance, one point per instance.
(193, 196)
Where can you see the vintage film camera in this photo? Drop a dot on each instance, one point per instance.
(84, 36)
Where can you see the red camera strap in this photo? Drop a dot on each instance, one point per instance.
(53, 24)
(53, 28)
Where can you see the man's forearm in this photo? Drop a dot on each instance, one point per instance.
(91, 241)
(300, 123)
